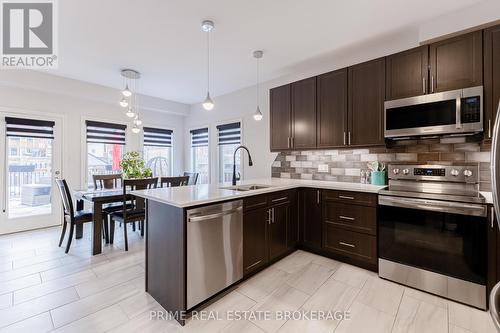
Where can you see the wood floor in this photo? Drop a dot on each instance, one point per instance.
(44, 290)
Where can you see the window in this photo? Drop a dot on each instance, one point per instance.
(158, 151)
(199, 154)
(105, 148)
(229, 137)
(29, 145)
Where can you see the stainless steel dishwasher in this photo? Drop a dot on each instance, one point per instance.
(214, 249)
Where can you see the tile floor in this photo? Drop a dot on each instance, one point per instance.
(44, 290)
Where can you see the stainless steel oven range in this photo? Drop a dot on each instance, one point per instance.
(432, 227)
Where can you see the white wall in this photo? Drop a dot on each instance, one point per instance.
(242, 103)
(33, 92)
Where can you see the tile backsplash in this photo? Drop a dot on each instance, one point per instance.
(344, 165)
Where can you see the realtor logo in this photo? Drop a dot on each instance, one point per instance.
(28, 34)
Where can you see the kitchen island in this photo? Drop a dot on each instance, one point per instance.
(251, 228)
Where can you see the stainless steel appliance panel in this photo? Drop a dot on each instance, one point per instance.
(214, 249)
(452, 112)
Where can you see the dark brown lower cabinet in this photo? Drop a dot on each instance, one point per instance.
(350, 244)
(350, 227)
(310, 217)
(280, 216)
(255, 254)
(268, 228)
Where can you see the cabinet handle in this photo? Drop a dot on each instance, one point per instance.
(347, 244)
(432, 84)
(492, 216)
(279, 199)
(269, 216)
(345, 197)
(317, 197)
(489, 128)
(344, 139)
(288, 142)
(349, 137)
(424, 90)
(346, 218)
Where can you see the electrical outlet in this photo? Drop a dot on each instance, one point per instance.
(323, 168)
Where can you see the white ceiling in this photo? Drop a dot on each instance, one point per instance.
(162, 38)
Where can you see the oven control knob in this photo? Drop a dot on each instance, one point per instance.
(406, 171)
(467, 173)
(454, 172)
(395, 171)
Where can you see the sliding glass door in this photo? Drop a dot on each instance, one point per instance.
(32, 159)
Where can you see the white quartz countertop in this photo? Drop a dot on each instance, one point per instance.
(188, 196)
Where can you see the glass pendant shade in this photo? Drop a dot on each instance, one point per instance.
(130, 113)
(208, 104)
(124, 102)
(126, 92)
(258, 114)
(135, 129)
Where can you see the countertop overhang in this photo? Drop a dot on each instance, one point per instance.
(195, 195)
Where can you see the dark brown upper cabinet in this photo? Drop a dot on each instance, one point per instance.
(366, 103)
(407, 73)
(332, 109)
(491, 77)
(280, 118)
(304, 114)
(456, 63)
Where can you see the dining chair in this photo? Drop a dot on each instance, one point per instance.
(134, 213)
(174, 181)
(107, 181)
(193, 177)
(71, 216)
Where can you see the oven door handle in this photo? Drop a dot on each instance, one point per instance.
(434, 205)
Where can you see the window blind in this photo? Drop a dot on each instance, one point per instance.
(229, 134)
(157, 137)
(99, 132)
(29, 128)
(199, 137)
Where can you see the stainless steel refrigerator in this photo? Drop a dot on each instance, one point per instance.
(495, 189)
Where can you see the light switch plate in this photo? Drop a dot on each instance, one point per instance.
(323, 168)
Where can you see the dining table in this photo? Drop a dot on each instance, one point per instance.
(98, 197)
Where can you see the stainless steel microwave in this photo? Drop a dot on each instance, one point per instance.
(445, 113)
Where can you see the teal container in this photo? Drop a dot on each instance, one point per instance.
(378, 177)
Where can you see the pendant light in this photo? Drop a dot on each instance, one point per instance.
(130, 97)
(207, 26)
(124, 102)
(258, 114)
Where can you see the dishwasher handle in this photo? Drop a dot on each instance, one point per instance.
(199, 218)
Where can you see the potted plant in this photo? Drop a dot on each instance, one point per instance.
(377, 173)
(133, 166)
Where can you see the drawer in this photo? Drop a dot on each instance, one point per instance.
(255, 202)
(360, 198)
(276, 198)
(352, 217)
(350, 244)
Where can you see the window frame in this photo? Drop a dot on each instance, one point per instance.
(172, 154)
(191, 151)
(242, 159)
(84, 173)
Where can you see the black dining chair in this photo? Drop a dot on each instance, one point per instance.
(134, 213)
(193, 177)
(107, 181)
(71, 216)
(174, 181)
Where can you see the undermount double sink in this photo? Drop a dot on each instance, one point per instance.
(243, 188)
